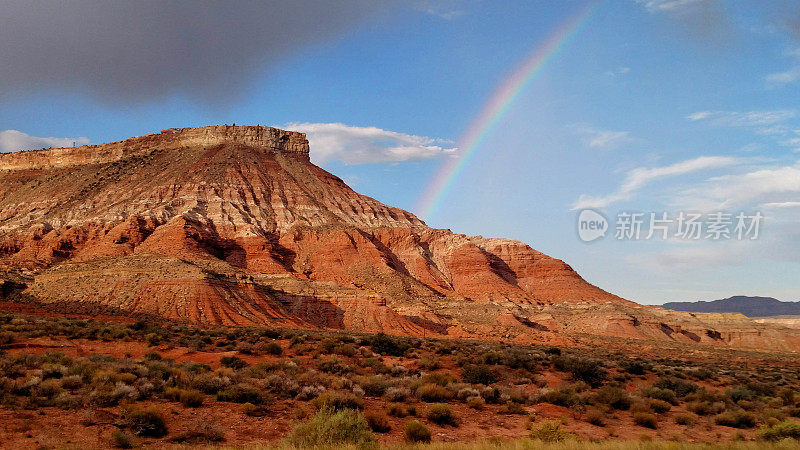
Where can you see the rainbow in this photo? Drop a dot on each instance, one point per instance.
(499, 103)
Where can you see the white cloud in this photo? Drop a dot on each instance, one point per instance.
(14, 141)
(763, 185)
(642, 176)
(743, 118)
(359, 145)
(781, 205)
(443, 9)
(596, 138)
(668, 5)
(781, 78)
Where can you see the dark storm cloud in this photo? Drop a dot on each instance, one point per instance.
(144, 50)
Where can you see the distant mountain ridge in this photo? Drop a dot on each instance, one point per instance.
(749, 306)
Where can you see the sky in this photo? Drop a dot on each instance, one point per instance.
(494, 118)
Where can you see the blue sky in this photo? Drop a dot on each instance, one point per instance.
(653, 106)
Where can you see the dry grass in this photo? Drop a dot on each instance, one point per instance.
(525, 444)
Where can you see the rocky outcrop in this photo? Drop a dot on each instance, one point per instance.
(263, 138)
(234, 225)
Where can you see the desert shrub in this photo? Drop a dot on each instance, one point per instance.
(72, 382)
(736, 419)
(252, 410)
(440, 378)
(584, 369)
(375, 386)
(7, 338)
(428, 363)
(562, 396)
(120, 439)
(550, 432)
(476, 402)
(612, 396)
(646, 420)
(234, 362)
(432, 393)
(397, 394)
(705, 408)
(685, 419)
(596, 417)
(146, 422)
(788, 429)
(152, 356)
(478, 374)
(329, 427)
(273, 348)
(310, 392)
(388, 345)
(242, 393)
(514, 408)
(659, 406)
(415, 431)
(48, 389)
(338, 400)
(201, 434)
(441, 414)
(397, 410)
(378, 422)
(191, 398)
(679, 387)
(334, 365)
(740, 393)
(634, 367)
(666, 395)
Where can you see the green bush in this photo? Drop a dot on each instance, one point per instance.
(329, 427)
(587, 370)
(736, 419)
(646, 420)
(417, 432)
(378, 422)
(242, 393)
(119, 439)
(338, 401)
(388, 345)
(432, 393)
(252, 410)
(679, 387)
(562, 396)
(478, 374)
(476, 402)
(666, 395)
(550, 432)
(634, 367)
(614, 397)
(596, 417)
(273, 348)
(685, 419)
(234, 362)
(659, 406)
(788, 429)
(514, 408)
(191, 398)
(146, 422)
(441, 414)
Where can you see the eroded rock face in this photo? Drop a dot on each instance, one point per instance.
(234, 225)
